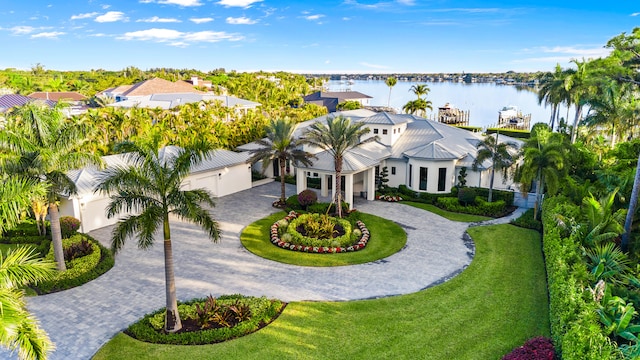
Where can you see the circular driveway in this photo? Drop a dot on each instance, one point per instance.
(82, 319)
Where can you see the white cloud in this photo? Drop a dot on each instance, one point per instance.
(177, 38)
(576, 51)
(84, 16)
(21, 30)
(105, 7)
(237, 3)
(314, 17)
(201, 20)
(111, 16)
(406, 2)
(211, 36)
(346, 18)
(181, 2)
(562, 54)
(373, 66)
(47, 35)
(160, 35)
(635, 14)
(159, 20)
(240, 21)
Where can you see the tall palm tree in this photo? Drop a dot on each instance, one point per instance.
(150, 187)
(502, 156)
(417, 107)
(282, 145)
(633, 204)
(337, 136)
(578, 88)
(391, 82)
(19, 330)
(552, 91)
(543, 162)
(611, 107)
(419, 90)
(49, 147)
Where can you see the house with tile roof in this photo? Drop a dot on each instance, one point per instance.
(422, 154)
(150, 87)
(330, 100)
(222, 173)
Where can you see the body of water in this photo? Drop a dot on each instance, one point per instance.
(483, 100)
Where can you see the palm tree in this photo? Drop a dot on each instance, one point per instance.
(552, 91)
(19, 330)
(611, 108)
(47, 150)
(500, 155)
(150, 187)
(578, 88)
(337, 136)
(282, 145)
(417, 107)
(633, 203)
(391, 82)
(419, 90)
(19, 267)
(543, 162)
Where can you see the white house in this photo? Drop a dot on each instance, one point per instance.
(422, 154)
(222, 173)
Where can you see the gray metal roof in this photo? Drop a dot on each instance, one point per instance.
(171, 100)
(87, 178)
(355, 160)
(432, 151)
(385, 118)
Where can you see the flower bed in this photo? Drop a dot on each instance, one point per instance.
(276, 239)
(389, 198)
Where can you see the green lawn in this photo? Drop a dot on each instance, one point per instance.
(387, 238)
(447, 214)
(496, 304)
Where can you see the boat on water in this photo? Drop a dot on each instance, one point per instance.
(450, 115)
(510, 117)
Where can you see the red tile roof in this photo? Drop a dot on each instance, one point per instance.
(58, 95)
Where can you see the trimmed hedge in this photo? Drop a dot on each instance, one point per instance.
(482, 207)
(527, 221)
(263, 311)
(80, 270)
(575, 329)
(341, 241)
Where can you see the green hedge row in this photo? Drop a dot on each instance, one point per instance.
(527, 220)
(482, 207)
(80, 270)
(576, 331)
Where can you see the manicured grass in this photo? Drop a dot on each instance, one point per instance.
(495, 305)
(447, 214)
(387, 238)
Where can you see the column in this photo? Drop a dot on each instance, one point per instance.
(371, 184)
(301, 180)
(348, 190)
(324, 187)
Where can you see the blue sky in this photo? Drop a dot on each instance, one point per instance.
(348, 36)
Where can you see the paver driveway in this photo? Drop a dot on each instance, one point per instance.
(81, 320)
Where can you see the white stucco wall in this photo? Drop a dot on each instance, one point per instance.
(432, 175)
(221, 182)
(400, 178)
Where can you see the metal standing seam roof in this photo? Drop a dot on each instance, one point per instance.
(355, 160)
(12, 100)
(385, 118)
(86, 179)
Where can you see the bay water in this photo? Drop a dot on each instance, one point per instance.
(483, 100)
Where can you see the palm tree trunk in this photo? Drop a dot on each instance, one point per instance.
(389, 99)
(172, 321)
(493, 172)
(538, 195)
(283, 196)
(339, 186)
(56, 236)
(552, 121)
(576, 120)
(633, 203)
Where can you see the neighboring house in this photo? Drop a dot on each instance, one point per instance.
(150, 87)
(196, 81)
(330, 100)
(75, 100)
(172, 100)
(12, 100)
(223, 173)
(422, 154)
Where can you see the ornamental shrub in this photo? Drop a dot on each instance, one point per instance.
(307, 197)
(467, 196)
(69, 226)
(80, 270)
(316, 220)
(526, 220)
(539, 348)
(292, 203)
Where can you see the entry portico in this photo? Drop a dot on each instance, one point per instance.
(358, 169)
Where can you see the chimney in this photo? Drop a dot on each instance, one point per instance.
(194, 80)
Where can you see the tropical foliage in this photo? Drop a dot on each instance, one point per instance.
(502, 155)
(150, 187)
